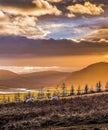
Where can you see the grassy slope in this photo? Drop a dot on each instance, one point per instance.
(65, 113)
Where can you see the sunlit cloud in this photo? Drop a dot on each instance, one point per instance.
(19, 18)
(3, 17)
(87, 8)
(30, 69)
(2, 14)
(70, 15)
(22, 26)
(54, 1)
(103, 40)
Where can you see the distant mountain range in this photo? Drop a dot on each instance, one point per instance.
(89, 75)
(34, 80)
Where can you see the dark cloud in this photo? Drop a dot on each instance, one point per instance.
(28, 7)
(18, 3)
(19, 46)
(58, 4)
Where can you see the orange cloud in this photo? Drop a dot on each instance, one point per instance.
(3, 17)
(54, 1)
(87, 8)
(20, 25)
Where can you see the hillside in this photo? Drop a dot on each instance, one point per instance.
(35, 80)
(80, 113)
(45, 79)
(89, 75)
(5, 74)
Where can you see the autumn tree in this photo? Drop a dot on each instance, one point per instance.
(8, 99)
(72, 91)
(29, 94)
(4, 99)
(48, 94)
(54, 93)
(64, 90)
(17, 97)
(41, 94)
(79, 90)
(98, 87)
(57, 91)
(106, 87)
(92, 90)
(86, 89)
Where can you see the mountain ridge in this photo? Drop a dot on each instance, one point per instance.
(89, 75)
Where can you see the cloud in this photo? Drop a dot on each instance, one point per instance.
(29, 69)
(54, 1)
(87, 8)
(103, 40)
(70, 15)
(20, 25)
(3, 17)
(2, 14)
(42, 48)
(18, 17)
(29, 7)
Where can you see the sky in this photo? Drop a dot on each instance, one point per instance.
(62, 35)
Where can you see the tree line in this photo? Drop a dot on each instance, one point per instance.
(64, 92)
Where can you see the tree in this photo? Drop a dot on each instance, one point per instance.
(17, 97)
(32, 95)
(92, 90)
(8, 100)
(86, 89)
(4, 99)
(57, 91)
(29, 94)
(79, 91)
(106, 87)
(98, 87)
(72, 90)
(64, 90)
(54, 93)
(48, 94)
(40, 94)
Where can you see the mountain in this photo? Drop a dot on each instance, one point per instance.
(45, 79)
(34, 80)
(89, 75)
(5, 74)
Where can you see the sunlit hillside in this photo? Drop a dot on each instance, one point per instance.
(89, 75)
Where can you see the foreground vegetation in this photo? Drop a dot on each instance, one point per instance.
(79, 113)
